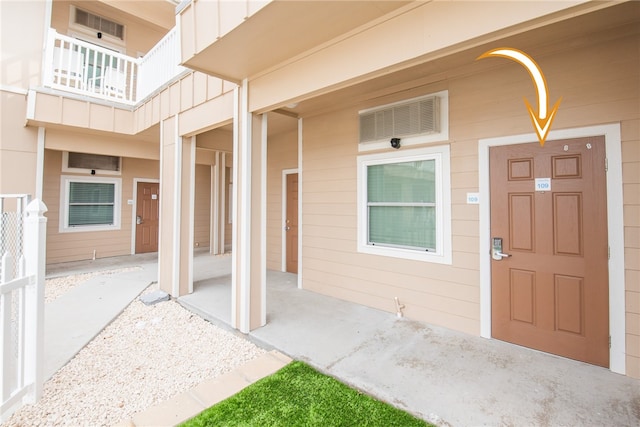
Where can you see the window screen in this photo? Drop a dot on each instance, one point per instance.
(401, 204)
(91, 203)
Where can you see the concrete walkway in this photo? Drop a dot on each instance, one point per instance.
(76, 317)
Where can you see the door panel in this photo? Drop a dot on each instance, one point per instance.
(551, 293)
(292, 223)
(147, 212)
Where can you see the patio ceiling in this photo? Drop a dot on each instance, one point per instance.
(159, 13)
(555, 38)
(281, 31)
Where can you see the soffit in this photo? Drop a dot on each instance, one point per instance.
(283, 30)
(159, 13)
(618, 20)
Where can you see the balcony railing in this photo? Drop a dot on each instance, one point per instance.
(83, 68)
(160, 64)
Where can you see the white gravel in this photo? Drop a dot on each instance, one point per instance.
(147, 355)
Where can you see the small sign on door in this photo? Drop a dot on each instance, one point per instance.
(154, 197)
(543, 184)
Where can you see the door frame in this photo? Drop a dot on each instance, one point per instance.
(615, 225)
(283, 231)
(134, 208)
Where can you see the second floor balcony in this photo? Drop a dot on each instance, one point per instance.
(84, 68)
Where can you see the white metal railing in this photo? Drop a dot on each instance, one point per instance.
(77, 66)
(160, 64)
(22, 260)
(84, 68)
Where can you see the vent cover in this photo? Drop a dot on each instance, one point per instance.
(416, 117)
(93, 161)
(99, 23)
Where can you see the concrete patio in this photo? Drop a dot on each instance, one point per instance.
(441, 375)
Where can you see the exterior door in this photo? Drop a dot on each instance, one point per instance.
(549, 207)
(292, 223)
(147, 215)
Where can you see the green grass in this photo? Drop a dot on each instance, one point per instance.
(298, 395)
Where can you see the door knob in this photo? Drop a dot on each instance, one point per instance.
(138, 219)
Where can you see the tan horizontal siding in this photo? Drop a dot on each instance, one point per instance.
(72, 246)
(282, 154)
(598, 84)
(379, 280)
(417, 312)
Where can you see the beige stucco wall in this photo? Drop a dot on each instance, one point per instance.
(61, 246)
(599, 84)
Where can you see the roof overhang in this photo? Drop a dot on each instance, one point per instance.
(280, 31)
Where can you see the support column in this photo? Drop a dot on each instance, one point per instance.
(248, 271)
(177, 184)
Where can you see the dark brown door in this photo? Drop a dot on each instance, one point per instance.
(292, 223)
(551, 293)
(147, 214)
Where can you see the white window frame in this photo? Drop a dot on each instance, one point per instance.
(66, 168)
(65, 183)
(441, 155)
(440, 137)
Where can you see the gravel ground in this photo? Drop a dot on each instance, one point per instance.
(145, 356)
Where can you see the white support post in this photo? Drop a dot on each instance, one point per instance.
(35, 251)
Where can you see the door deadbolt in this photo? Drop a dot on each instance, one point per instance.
(496, 249)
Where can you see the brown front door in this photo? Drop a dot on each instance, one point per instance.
(292, 223)
(147, 212)
(549, 207)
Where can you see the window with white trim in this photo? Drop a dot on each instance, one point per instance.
(90, 204)
(404, 204)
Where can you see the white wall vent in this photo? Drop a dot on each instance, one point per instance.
(420, 116)
(99, 24)
(86, 163)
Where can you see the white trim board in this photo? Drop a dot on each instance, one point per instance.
(615, 225)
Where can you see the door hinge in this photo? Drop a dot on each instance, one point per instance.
(608, 252)
(609, 341)
(606, 164)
